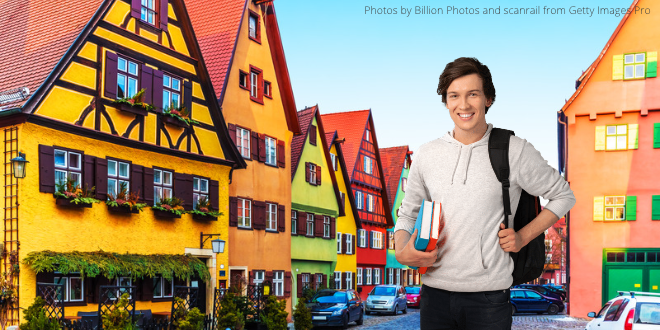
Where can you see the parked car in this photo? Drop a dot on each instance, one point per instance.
(628, 311)
(558, 289)
(336, 308)
(387, 299)
(542, 290)
(530, 301)
(413, 294)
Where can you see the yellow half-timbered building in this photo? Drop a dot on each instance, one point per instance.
(111, 95)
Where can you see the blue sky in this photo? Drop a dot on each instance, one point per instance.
(344, 59)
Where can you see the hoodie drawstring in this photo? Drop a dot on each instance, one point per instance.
(467, 164)
(458, 159)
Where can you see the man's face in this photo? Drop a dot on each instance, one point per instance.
(467, 103)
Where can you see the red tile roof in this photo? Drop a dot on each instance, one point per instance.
(393, 159)
(349, 125)
(216, 27)
(329, 138)
(35, 36)
(305, 117)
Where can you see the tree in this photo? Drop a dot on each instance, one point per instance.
(274, 317)
(302, 316)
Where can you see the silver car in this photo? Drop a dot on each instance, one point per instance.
(387, 299)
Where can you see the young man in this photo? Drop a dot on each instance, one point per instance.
(467, 284)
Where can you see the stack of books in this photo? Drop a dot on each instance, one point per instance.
(428, 228)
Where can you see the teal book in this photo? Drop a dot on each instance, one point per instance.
(423, 226)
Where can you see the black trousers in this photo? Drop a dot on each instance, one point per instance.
(487, 310)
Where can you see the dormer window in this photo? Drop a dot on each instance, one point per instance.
(151, 13)
(148, 11)
(254, 27)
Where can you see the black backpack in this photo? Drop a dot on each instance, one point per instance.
(530, 259)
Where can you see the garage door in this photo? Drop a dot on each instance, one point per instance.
(630, 270)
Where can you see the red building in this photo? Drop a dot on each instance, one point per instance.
(554, 271)
(368, 185)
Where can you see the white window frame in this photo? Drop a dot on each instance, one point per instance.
(368, 165)
(614, 205)
(169, 91)
(398, 276)
(66, 168)
(376, 276)
(370, 203)
(616, 137)
(359, 276)
(367, 136)
(633, 62)
(363, 237)
(245, 221)
(548, 258)
(129, 78)
(243, 146)
(349, 280)
(368, 275)
(349, 243)
(259, 276)
(376, 239)
(312, 173)
(337, 280)
(271, 217)
(118, 282)
(326, 226)
(390, 275)
(162, 285)
(253, 21)
(332, 158)
(294, 222)
(163, 189)
(278, 282)
(116, 179)
(310, 224)
(359, 200)
(200, 190)
(271, 151)
(254, 82)
(148, 11)
(66, 290)
(339, 243)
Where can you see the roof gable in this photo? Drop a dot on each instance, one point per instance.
(305, 117)
(330, 139)
(351, 126)
(393, 159)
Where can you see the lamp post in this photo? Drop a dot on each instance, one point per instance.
(18, 165)
(217, 244)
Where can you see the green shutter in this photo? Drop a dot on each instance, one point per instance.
(655, 207)
(631, 207)
(656, 135)
(651, 64)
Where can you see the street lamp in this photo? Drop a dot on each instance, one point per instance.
(217, 244)
(18, 165)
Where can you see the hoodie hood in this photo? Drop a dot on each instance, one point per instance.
(465, 152)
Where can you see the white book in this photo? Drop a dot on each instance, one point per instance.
(437, 214)
(427, 219)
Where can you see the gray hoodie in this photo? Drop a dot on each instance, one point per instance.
(462, 179)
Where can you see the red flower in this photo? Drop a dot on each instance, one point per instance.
(175, 112)
(120, 201)
(204, 209)
(165, 206)
(131, 101)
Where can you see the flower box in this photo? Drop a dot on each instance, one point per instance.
(123, 209)
(134, 109)
(67, 202)
(166, 214)
(174, 121)
(204, 217)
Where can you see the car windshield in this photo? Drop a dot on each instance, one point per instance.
(412, 290)
(330, 297)
(603, 310)
(649, 313)
(383, 291)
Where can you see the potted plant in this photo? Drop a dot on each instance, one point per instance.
(68, 193)
(36, 319)
(118, 317)
(169, 208)
(135, 104)
(203, 211)
(124, 201)
(178, 116)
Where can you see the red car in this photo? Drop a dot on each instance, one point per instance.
(413, 294)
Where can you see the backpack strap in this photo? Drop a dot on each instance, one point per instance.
(498, 152)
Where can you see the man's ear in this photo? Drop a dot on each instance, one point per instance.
(489, 102)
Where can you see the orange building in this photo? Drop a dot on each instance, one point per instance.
(612, 129)
(243, 52)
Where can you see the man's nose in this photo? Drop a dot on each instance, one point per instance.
(463, 103)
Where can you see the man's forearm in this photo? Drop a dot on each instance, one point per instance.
(543, 221)
(401, 238)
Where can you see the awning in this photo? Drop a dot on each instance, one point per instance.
(112, 265)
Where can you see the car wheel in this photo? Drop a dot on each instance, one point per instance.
(513, 310)
(360, 321)
(396, 310)
(405, 309)
(344, 324)
(553, 309)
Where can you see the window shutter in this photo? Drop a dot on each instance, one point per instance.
(46, 169)
(233, 211)
(287, 284)
(318, 175)
(600, 137)
(146, 79)
(332, 229)
(232, 132)
(183, 189)
(651, 64)
(137, 177)
(633, 136)
(599, 205)
(342, 284)
(101, 179)
(324, 284)
(187, 95)
(318, 225)
(656, 135)
(281, 161)
(250, 277)
(262, 148)
(307, 172)
(631, 208)
(148, 184)
(343, 242)
(299, 285)
(111, 71)
(214, 194)
(364, 276)
(254, 146)
(269, 277)
(259, 213)
(163, 15)
(147, 288)
(88, 171)
(89, 289)
(342, 207)
(281, 220)
(354, 283)
(136, 6)
(371, 239)
(302, 223)
(617, 67)
(157, 94)
(312, 135)
(353, 242)
(655, 207)
(387, 240)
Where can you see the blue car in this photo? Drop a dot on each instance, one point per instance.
(530, 301)
(336, 308)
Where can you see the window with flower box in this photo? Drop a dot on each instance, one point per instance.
(171, 92)
(163, 186)
(119, 174)
(127, 77)
(68, 165)
(200, 190)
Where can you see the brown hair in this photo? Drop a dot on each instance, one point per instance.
(464, 66)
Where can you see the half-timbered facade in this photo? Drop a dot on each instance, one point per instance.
(113, 96)
(315, 205)
(243, 51)
(369, 191)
